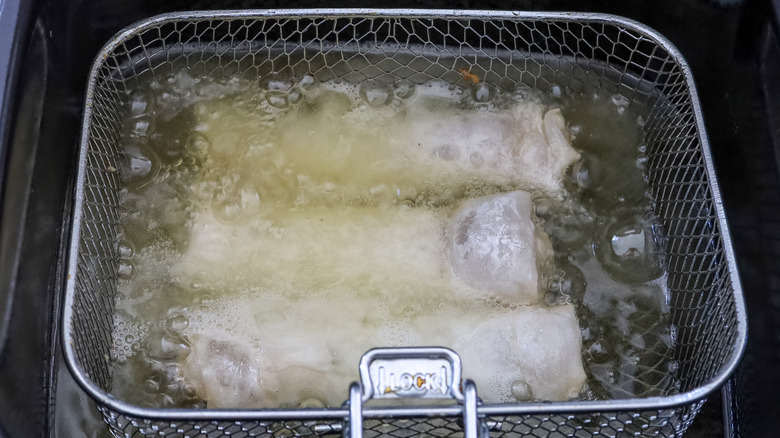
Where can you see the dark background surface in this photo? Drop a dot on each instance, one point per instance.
(731, 46)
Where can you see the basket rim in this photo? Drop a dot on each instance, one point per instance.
(109, 401)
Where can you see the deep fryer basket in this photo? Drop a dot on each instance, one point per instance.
(575, 51)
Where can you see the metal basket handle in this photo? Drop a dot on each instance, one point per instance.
(416, 372)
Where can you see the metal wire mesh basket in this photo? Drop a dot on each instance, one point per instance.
(539, 50)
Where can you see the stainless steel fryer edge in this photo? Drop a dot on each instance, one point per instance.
(619, 405)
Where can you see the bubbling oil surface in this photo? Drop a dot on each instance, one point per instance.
(608, 260)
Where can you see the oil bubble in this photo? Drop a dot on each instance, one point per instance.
(620, 101)
(521, 390)
(274, 82)
(248, 200)
(630, 249)
(483, 92)
(166, 346)
(628, 242)
(598, 351)
(375, 94)
(543, 208)
(312, 403)
(277, 99)
(225, 211)
(219, 194)
(166, 400)
(294, 97)
(404, 89)
(522, 94)
(141, 126)
(587, 334)
(152, 385)
(126, 249)
(582, 173)
(126, 270)
(569, 280)
(312, 398)
(406, 204)
(197, 144)
(307, 83)
(178, 323)
(165, 99)
(139, 102)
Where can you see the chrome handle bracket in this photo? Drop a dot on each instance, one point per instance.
(413, 372)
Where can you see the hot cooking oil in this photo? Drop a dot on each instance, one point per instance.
(226, 179)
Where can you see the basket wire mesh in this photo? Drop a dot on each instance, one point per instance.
(509, 50)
